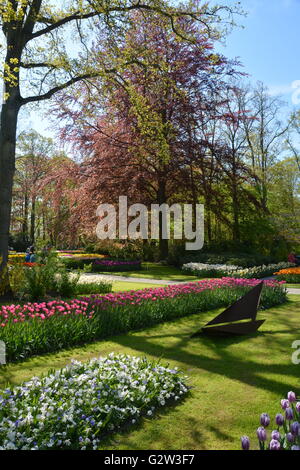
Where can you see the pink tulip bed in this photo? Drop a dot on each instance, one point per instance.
(37, 328)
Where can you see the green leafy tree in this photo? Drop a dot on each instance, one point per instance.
(38, 43)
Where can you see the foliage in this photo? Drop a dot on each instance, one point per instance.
(77, 263)
(87, 288)
(50, 278)
(129, 251)
(4, 280)
(17, 278)
(286, 436)
(19, 242)
(51, 326)
(75, 407)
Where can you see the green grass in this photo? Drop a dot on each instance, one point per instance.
(120, 286)
(293, 286)
(234, 380)
(156, 271)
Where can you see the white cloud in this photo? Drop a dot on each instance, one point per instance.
(293, 89)
(275, 90)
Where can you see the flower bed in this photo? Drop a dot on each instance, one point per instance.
(115, 265)
(75, 407)
(220, 270)
(286, 436)
(80, 255)
(98, 264)
(209, 270)
(291, 275)
(47, 327)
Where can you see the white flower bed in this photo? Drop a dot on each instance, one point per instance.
(75, 407)
(202, 268)
(223, 270)
(262, 271)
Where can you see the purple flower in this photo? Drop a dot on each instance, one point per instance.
(295, 448)
(285, 404)
(279, 419)
(298, 406)
(274, 445)
(291, 397)
(276, 435)
(290, 437)
(245, 443)
(295, 427)
(265, 420)
(289, 414)
(261, 434)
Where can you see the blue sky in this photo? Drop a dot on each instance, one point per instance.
(268, 46)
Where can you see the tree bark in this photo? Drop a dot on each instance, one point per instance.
(235, 208)
(163, 243)
(25, 217)
(32, 221)
(8, 133)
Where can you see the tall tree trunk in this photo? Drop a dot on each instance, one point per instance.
(163, 243)
(44, 225)
(32, 220)
(25, 217)
(8, 134)
(208, 219)
(235, 210)
(8, 131)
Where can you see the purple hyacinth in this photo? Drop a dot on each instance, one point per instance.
(295, 427)
(291, 397)
(289, 414)
(265, 419)
(245, 442)
(274, 445)
(261, 434)
(276, 435)
(279, 419)
(298, 406)
(285, 404)
(290, 437)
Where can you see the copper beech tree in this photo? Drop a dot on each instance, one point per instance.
(46, 48)
(142, 131)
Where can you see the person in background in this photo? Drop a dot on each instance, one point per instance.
(32, 255)
(27, 255)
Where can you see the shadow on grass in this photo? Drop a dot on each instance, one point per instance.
(111, 442)
(256, 362)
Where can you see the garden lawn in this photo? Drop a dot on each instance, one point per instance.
(123, 286)
(156, 271)
(234, 380)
